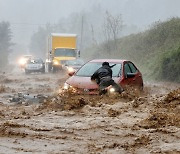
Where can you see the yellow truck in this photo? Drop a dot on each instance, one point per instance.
(61, 47)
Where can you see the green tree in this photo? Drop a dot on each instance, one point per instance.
(5, 43)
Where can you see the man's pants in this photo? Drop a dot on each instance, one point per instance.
(104, 83)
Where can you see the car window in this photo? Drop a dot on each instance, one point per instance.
(116, 70)
(89, 68)
(127, 69)
(133, 68)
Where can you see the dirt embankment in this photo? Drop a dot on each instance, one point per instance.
(132, 122)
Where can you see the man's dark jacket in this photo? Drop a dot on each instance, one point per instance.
(103, 72)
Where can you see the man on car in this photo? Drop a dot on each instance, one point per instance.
(103, 77)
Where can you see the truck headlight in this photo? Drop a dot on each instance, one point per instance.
(56, 62)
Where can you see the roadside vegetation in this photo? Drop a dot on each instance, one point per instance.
(156, 51)
(5, 43)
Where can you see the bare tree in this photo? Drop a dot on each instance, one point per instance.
(112, 27)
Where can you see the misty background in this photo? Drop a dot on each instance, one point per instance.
(27, 18)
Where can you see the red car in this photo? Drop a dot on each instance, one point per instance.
(125, 73)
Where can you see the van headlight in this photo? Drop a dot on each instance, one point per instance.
(22, 61)
(56, 62)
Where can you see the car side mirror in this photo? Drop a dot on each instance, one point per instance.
(71, 73)
(130, 75)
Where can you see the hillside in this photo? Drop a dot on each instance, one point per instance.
(155, 51)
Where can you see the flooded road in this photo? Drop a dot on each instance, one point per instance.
(132, 122)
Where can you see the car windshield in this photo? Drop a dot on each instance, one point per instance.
(64, 52)
(75, 62)
(89, 68)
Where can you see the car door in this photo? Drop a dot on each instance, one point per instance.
(125, 81)
(130, 75)
(137, 79)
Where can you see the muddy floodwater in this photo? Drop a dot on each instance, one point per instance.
(64, 123)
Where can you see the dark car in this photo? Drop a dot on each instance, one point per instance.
(35, 65)
(73, 65)
(125, 73)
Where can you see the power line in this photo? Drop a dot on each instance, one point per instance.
(29, 24)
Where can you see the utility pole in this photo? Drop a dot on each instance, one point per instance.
(82, 26)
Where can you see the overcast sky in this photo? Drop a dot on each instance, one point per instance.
(26, 15)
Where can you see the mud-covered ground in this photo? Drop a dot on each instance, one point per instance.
(132, 122)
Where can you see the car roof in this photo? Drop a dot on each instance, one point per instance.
(108, 60)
